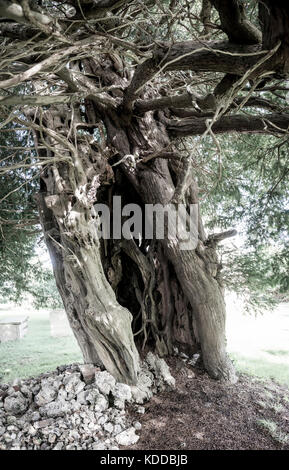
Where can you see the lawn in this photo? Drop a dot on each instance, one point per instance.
(258, 345)
(38, 351)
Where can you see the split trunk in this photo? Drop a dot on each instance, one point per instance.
(125, 296)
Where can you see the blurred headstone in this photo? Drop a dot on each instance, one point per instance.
(59, 325)
(13, 328)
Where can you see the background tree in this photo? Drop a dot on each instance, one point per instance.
(112, 91)
(20, 271)
(248, 189)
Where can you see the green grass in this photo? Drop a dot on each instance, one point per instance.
(272, 428)
(37, 352)
(259, 344)
(262, 368)
(258, 347)
(278, 352)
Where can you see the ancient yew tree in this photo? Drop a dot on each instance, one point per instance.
(111, 94)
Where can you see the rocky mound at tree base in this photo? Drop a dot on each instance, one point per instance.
(77, 407)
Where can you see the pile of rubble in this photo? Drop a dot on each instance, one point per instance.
(77, 407)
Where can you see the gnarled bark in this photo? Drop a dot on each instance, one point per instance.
(53, 240)
(101, 326)
(196, 271)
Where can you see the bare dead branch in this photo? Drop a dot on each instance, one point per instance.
(219, 237)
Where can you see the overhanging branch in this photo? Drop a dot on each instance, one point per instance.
(50, 62)
(267, 124)
(206, 57)
(176, 101)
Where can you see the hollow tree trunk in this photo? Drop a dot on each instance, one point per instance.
(195, 270)
(172, 297)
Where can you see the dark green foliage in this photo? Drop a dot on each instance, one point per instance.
(43, 289)
(248, 190)
(19, 229)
